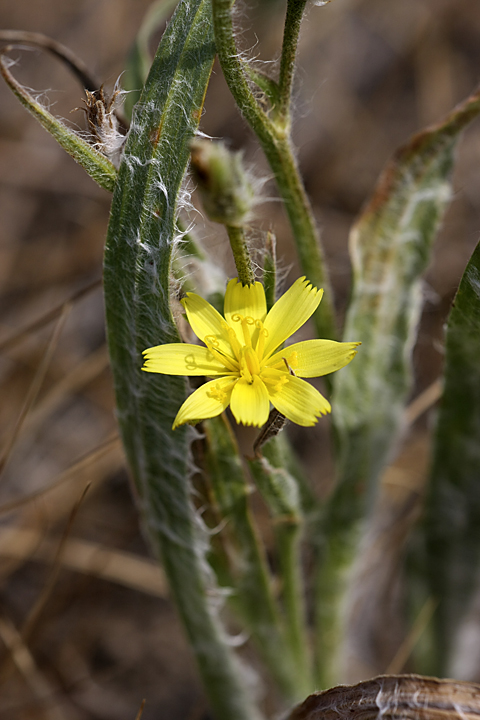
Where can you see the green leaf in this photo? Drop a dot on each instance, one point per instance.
(140, 58)
(137, 299)
(453, 504)
(265, 83)
(390, 247)
(97, 165)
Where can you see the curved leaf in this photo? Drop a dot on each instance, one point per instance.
(96, 165)
(453, 504)
(137, 268)
(390, 248)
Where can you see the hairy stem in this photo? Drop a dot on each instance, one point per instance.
(280, 492)
(277, 146)
(253, 598)
(293, 20)
(243, 263)
(288, 534)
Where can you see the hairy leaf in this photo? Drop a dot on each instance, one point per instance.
(453, 505)
(137, 298)
(140, 57)
(390, 248)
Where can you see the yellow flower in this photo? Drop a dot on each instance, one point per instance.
(243, 354)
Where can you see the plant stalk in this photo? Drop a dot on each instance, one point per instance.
(276, 143)
(293, 21)
(241, 255)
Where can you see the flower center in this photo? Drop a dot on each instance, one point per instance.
(249, 364)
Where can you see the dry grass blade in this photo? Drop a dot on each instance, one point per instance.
(48, 317)
(117, 566)
(423, 402)
(41, 602)
(25, 663)
(35, 386)
(81, 375)
(397, 697)
(140, 712)
(89, 459)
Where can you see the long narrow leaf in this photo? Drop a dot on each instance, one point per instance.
(453, 505)
(390, 247)
(140, 58)
(137, 269)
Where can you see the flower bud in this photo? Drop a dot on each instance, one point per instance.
(225, 188)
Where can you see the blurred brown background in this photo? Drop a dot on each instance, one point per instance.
(86, 628)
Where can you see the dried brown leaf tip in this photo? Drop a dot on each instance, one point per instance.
(102, 122)
(396, 697)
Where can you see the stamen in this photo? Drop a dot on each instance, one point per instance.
(236, 347)
(262, 335)
(251, 360)
(246, 332)
(245, 370)
(224, 359)
(211, 340)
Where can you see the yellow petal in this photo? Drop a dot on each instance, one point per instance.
(290, 312)
(182, 359)
(208, 401)
(206, 321)
(313, 358)
(249, 403)
(247, 301)
(299, 402)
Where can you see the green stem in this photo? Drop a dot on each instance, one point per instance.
(293, 20)
(280, 492)
(333, 562)
(243, 263)
(281, 157)
(248, 568)
(276, 143)
(288, 534)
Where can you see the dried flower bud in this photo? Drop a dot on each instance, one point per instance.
(226, 191)
(103, 124)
